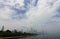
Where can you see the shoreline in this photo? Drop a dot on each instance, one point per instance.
(11, 37)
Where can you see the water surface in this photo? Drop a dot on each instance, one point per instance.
(42, 37)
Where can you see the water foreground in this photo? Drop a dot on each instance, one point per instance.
(42, 37)
(37, 37)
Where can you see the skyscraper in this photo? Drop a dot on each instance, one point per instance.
(2, 28)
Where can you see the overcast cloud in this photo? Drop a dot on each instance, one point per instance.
(26, 14)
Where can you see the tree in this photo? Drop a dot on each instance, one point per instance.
(8, 31)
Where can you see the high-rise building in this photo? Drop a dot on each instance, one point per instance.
(2, 28)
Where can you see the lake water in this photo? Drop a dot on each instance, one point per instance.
(42, 37)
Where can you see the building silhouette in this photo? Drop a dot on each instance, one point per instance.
(2, 28)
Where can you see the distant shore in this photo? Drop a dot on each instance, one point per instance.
(14, 33)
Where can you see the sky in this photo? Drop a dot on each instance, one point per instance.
(27, 15)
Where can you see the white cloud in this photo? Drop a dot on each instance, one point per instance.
(5, 13)
(13, 2)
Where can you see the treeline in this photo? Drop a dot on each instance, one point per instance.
(9, 33)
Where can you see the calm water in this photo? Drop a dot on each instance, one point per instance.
(42, 37)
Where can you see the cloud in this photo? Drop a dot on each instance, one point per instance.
(26, 14)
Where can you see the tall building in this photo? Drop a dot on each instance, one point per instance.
(2, 28)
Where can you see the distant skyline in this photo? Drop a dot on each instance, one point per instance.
(26, 14)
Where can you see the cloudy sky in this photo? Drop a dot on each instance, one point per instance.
(30, 14)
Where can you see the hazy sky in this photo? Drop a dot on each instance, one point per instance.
(26, 14)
